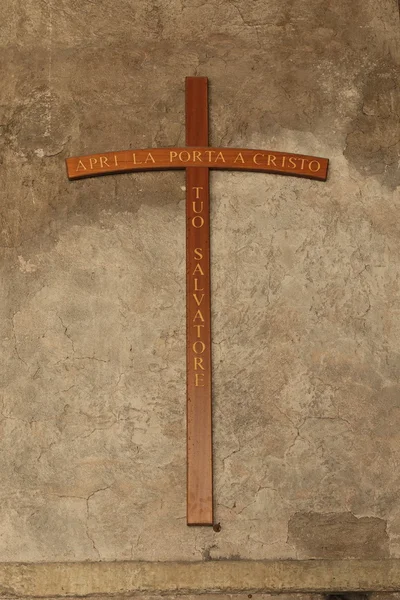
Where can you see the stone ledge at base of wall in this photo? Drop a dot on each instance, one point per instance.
(151, 579)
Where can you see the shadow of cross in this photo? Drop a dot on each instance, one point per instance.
(197, 158)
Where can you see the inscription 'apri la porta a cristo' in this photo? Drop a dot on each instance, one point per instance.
(222, 158)
(198, 158)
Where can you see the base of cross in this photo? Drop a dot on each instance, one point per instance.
(197, 158)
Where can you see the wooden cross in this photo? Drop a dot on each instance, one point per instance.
(197, 158)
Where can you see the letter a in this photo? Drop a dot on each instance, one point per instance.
(239, 157)
(198, 269)
(198, 315)
(81, 166)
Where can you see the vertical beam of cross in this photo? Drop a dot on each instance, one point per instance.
(198, 314)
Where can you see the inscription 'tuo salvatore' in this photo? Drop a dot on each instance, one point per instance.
(197, 287)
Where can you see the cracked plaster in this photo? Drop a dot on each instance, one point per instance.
(305, 280)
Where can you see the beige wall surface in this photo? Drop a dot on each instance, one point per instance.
(306, 282)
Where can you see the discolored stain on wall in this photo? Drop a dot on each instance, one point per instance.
(373, 139)
(338, 535)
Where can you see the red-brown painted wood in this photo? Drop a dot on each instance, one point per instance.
(229, 159)
(198, 315)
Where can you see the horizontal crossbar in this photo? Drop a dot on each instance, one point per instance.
(237, 159)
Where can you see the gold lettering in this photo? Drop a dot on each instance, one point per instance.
(220, 156)
(292, 163)
(194, 207)
(198, 253)
(210, 152)
(239, 157)
(104, 159)
(198, 327)
(314, 162)
(172, 155)
(149, 158)
(135, 162)
(198, 302)
(197, 381)
(198, 315)
(181, 154)
(283, 161)
(197, 222)
(196, 156)
(202, 344)
(198, 269)
(115, 160)
(198, 362)
(271, 159)
(303, 160)
(81, 165)
(255, 158)
(92, 161)
(197, 192)
(197, 289)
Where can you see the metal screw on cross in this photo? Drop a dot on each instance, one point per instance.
(198, 158)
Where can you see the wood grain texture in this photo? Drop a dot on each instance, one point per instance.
(198, 156)
(198, 315)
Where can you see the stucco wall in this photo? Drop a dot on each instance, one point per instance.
(306, 282)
